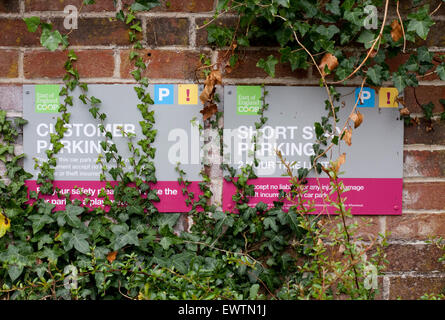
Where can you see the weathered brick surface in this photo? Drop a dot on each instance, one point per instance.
(247, 66)
(90, 64)
(180, 5)
(424, 163)
(417, 257)
(14, 33)
(201, 34)
(11, 97)
(417, 134)
(415, 226)
(97, 31)
(167, 31)
(424, 195)
(9, 63)
(164, 64)
(9, 6)
(424, 95)
(59, 5)
(412, 288)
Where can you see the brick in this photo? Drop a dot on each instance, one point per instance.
(416, 134)
(415, 226)
(9, 6)
(59, 5)
(428, 196)
(15, 33)
(90, 64)
(201, 34)
(168, 31)
(11, 97)
(412, 288)
(97, 31)
(406, 7)
(424, 163)
(435, 37)
(425, 95)
(180, 5)
(9, 60)
(418, 257)
(164, 64)
(246, 67)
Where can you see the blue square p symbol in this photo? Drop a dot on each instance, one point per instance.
(164, 94)
(366, 99)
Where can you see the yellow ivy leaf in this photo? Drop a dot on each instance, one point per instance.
(5, 224)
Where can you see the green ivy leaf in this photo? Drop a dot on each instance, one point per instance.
(375, 74)
(420, 22)
(268, 65)
(334, 7)
(39, 221)
(283, 3)
(76, 239)
(51, 39)
(440, 70)
(144, 5)
(32, 23)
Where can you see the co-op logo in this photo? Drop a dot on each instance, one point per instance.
(248, 109)
(47, 108)
(47, 99)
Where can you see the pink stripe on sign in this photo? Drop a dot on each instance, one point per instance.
(366, 196)
(169, 192)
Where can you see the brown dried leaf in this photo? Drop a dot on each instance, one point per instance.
(341, 249)
(347, 136)
(357, 118)
(208, 111)
(111, 256)
(404, 112)
(396, 30)
(212, 79)
(339, 162)
(328, 60)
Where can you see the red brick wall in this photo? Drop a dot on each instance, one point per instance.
(174, 45)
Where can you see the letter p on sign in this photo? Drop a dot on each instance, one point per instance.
(366, 98)
(164, 94)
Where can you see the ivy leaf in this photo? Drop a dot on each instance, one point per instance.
(428, 110)
(51, 39)
(77, 240)
(284, 3)
(375, 74)
(169, 219)
(268, 65)
(89, 1)
(39, 221)
(131, 237)
(70, 215)
(334, 7)
(367, 38)
(440, 70)
(269, 223)
(144, 5)
(32, 23)
(420, 22)
(423, 55)
(222, 5)
(14, 271)
(182, 261)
